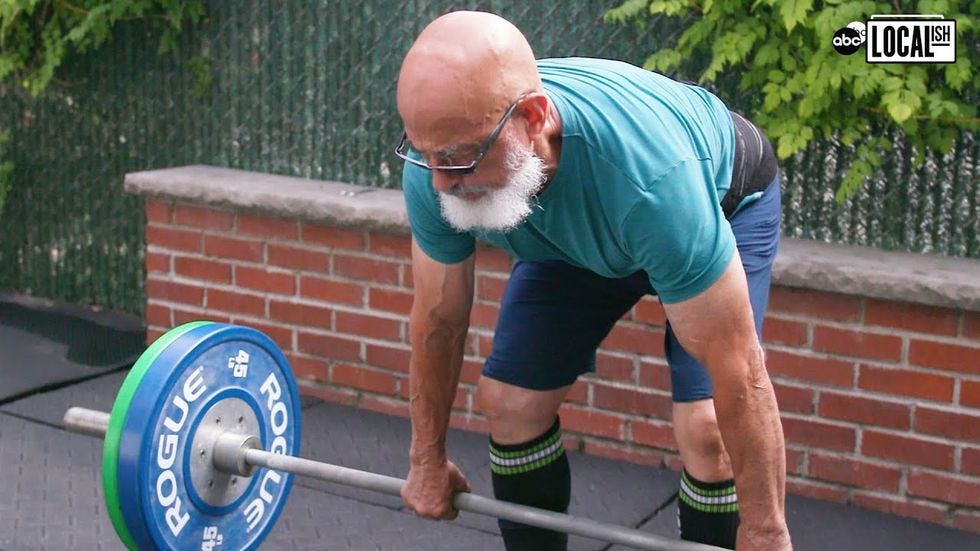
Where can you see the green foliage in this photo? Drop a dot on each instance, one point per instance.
(804, 90)
(36, 37)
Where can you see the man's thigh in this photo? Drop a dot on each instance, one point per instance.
(552, 318)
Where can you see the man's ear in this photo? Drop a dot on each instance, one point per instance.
(534, 109)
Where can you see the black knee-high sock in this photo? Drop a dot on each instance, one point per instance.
(533, 473)
(707, 512)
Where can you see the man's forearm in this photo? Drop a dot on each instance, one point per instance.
(748, 417)
(437, 355)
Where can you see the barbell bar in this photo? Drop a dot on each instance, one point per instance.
(207, 446)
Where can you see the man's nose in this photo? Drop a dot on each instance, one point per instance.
(444, 181)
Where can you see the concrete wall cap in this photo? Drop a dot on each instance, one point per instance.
(847, 269)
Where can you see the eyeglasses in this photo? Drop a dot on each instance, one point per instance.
(404, 147)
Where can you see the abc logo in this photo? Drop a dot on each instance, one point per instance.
(847, 40)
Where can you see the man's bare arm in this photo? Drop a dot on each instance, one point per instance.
(717, 328)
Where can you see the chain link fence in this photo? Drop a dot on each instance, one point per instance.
(306, 88)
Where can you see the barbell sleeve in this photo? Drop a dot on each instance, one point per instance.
(239, 454)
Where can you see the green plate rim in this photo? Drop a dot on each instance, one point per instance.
(117, 418)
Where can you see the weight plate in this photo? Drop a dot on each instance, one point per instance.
(117, 416)
(205, 374)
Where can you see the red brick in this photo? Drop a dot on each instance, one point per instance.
(203, 217)
(907, 450)
(407, 281)
(591, 422)
(635, 339)
(388, 357)
(335, 238)
(967, 520)
(283, 283)
(484, 345)
(390, 245)
(282, 336)
(970, 462)
(614, 368)
(795, 459)
(240, 303)
(382, 382)
(328, 346)
(940, 355)
(618, 452)
(819, 434)
(152, 334)
(945, 488)
(579, 393)
(157, 262)
(398, 302)
(300, 313)
(298, 258)
(186, 316)
(631, 401)
(913, 317)
(158, 211)
(159, 315)
(970, 394)
(331, 291)
(172, 238)
(236, 249)
(367, 326)
(816, 490)
(952, 424)
(866, 411)
(907, 508)
(810, 368)
(266, 227)
(793, 398)
(818, 304)
(846, 342)
(861, 474)
(905, 382)
(309, 368)
(366, 269)
(654, 375)
(492, 259)
(656, 434)
(783, 331)
(484, 315)
(171, 291)
(649, 311)
(971, 325)
(199, 268)
(470, 373)
(490, 288)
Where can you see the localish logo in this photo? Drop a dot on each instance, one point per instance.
(900, 39)
(911, 39)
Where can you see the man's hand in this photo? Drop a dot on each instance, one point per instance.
(430, 488)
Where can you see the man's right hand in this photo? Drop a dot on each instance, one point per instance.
(429, 489)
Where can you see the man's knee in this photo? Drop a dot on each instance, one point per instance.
(699, 440)
(517, 414)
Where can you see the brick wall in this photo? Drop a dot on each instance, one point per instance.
(880, 400)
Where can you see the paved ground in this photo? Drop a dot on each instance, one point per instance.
(51, 493)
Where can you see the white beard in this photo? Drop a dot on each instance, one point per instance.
(500, 209)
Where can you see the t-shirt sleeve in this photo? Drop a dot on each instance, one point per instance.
(678, 234)
(431, 231)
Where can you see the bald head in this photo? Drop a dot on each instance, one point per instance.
(463, 70)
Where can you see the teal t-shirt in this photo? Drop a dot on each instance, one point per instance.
(644, 163)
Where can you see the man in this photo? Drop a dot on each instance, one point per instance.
(606, 182)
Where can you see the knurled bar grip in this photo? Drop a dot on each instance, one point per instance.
(95, 423)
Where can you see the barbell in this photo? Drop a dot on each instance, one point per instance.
(202, 443)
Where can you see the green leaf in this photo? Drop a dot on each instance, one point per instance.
(794, 12)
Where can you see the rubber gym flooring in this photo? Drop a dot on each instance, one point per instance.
(51, 493)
